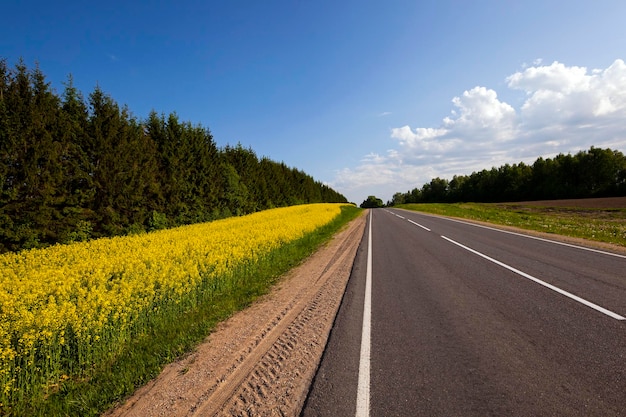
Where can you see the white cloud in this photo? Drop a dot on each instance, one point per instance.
(480, 109)
(556, 77)
(571, 96)
(422, 138)
(478, 120)
(566, 109)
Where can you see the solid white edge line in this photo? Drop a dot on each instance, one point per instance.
(538, 281)
(363, 388)
(556, 242)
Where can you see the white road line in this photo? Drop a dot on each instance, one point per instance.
(538, 281)
(395, 214)
(417, 224)
(363, 388)
(556, 242)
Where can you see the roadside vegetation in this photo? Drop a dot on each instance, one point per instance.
(505, 195)
(124, 241)
(73, 169)
(372, 202)
(587, 174)
(83, 325)
(602, 224)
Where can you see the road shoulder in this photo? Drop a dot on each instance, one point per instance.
(260, 361)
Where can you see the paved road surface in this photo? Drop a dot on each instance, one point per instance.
(471, 321)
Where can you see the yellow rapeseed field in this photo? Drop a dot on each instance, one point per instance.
(65, 307)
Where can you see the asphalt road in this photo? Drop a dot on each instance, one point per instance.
(471, 321)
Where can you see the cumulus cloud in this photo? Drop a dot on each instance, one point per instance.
(480, 109)
(571, 96)
(425, 139)
(478, 121)
(565, 109)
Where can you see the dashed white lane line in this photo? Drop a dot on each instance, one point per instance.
(556, 242)
(538, 281)
(417, 224)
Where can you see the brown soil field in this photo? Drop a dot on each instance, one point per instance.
(594, 203)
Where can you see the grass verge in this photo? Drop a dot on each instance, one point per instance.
(599, 224)
(172, 333)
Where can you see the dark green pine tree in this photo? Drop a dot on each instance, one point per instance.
(17, 99)
(72, 169)
(45, 164)
(7, 171)
(189, 169)
(102, 147)
(268, 170)
(234, 196)
(137, 178)
(155, 129)
(77, 186)
(204, 180)
(125, 167)
(30, 157)
(246, 165)
(173, 158)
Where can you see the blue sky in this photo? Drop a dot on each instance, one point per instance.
(371, 97)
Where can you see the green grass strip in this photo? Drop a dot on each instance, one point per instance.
(599, 224)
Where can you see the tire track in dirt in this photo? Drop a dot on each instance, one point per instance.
(262, 360)
(266, 368)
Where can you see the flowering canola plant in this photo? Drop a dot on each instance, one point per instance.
(66, 307)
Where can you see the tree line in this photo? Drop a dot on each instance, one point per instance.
(73, 169)
(372, 202)
(593, 173)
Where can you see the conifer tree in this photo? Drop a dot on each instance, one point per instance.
(77, 185)
(72, 169)
(19, 147)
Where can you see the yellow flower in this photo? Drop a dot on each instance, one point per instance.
(83, 298)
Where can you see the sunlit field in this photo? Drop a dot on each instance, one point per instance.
(602, 220)
(68, 309)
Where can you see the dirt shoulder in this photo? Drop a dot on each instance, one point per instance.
(260, 361)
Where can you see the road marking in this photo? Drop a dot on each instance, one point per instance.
(417, 224)
(536, 238)
(395, 214)
(363, 388)
(538, 281)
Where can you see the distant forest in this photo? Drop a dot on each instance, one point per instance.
(73, 169)
(594, 173)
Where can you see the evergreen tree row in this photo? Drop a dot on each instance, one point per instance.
(594, 173)
(73, 169)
